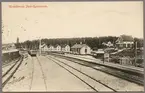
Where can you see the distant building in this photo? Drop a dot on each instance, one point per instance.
(50, 48)
(9, 46)
(108, 44)
(57, 48)
(81, 49)
(65, 48)
(98, 53)
(125, 41)
(44, 47)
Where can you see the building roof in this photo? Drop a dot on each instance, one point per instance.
(8, 51)
(98, 52)
(109, 44)
(9, 44)
(56, 45)
(78, 45)
(50, 46)
(127, 38)
(64, 45)
(43, 45)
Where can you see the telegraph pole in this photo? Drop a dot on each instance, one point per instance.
(135, 52)
(39, 46)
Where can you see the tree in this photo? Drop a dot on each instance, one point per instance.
(93, 42)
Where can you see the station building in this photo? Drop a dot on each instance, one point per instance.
(81, 49)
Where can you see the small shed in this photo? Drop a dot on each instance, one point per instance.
(98, 54)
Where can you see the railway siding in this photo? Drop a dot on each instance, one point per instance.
(9, 74)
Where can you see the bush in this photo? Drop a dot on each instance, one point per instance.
(139, 61)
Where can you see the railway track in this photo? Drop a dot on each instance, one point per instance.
(32, 74)
(42, 73)
(5, 64)
(5, 73)
(63, 65)
(131, 77)
(11, 71)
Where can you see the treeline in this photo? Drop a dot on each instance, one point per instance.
(93, 42)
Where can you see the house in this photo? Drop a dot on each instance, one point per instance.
(65, 48)
(50, 48)
(57, 48)
(108, 44)
(81, 49)
(44, 47)
(125, 41)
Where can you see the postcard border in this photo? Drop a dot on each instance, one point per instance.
(64, 1)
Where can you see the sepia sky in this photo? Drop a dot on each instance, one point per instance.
(71, 19)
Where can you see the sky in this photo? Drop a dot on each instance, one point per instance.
(71, 19)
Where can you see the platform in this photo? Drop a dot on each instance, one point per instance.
(107, 64)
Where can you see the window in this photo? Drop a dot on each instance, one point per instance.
(128, 45)
(131, 45)
(124, 45)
